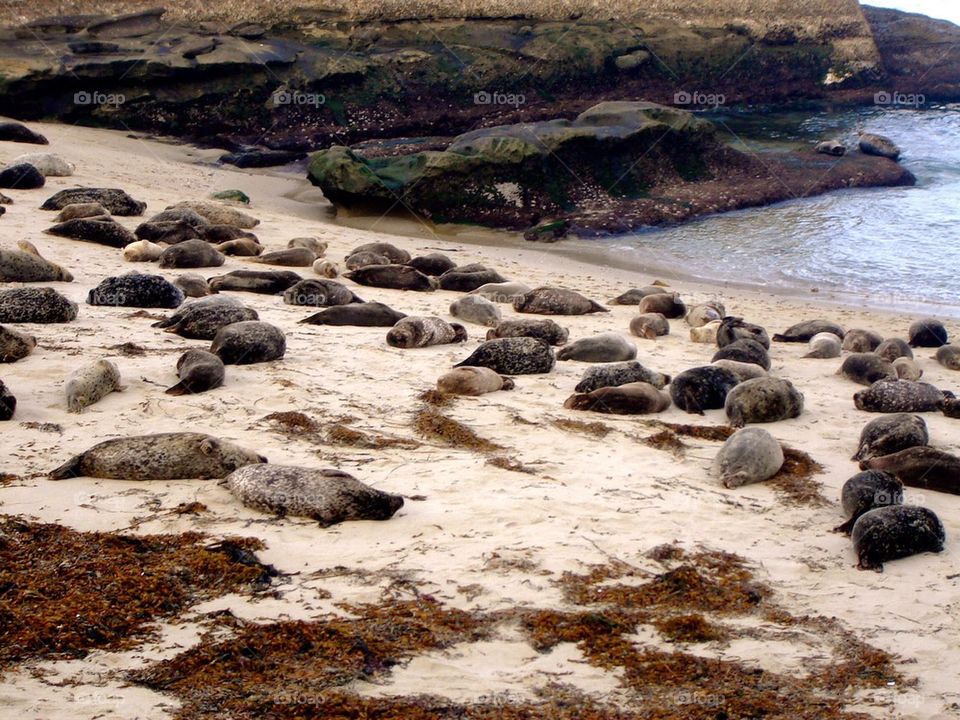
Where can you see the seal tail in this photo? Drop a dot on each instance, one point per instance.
(597, 307)
(787, 338)
(178, 389)
(69, 469)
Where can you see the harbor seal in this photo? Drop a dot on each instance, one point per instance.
(363, 259)
(649, 326)
(102, 231)
(830, 147)
(218, 213)
(744, 350)
(193, 285)
(319, 292)
(473, 381)
(465, 278)
(434, 264)
(181, 215)
(866, 491)
(218, 234)
(326, 268)
(804, 331)
(395, 255)
(20, 133)
(893, 348)
(27, 265)
(505, 292)
(866, 368)
(240, 247)
(621, 373)
(314, 244)
(163, 456)
(327, 496)
(198, 371)
(667, 304)
(706, 334)
(418, 332)
(265, 282)
(369, 314)
(142, 251)
(750, 455)
(824, 345)
(81, 210)
(950, 407)
(736, 328)
(476, 309)
(512, 356)
(91, 383)
(700, 315)
(890, 434)
(546, 330)
(857, 340)
(743, 370)
(702, 388)
(203, 319)
(635, 295)
(873, 144)
(116, 201)
(636, 398)
(606, 347)
(36, 305)
(921, 467)
(248, 342)
(8, 403)
(899, 396)
(15, 345)
(22, 176)
(171, 232)
(948, 356)
(288, 257)
(192, 254)
(894, 532)
(928, 332)
(556, 301)
(393, 277)
(763, 400)
(136, 290)
(907, 369)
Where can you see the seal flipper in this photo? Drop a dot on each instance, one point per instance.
(847, 527)
(178, 389)
(69, 469)
(690, 402)
(597, 307)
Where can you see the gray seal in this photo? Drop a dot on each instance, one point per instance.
(649, 326)
(241, 247)
(117, 202)
(606, 347)
(393, 277)
(363, 259)
(948, 356)
(894, 532)
(319, 292)
(907, 369)
(318, 246)
(434, 264)
(466, 278)
(203, 319)
(763, 400)
(824, 345)
(142, 251)
(369, 314)
(743, 370)
(950, 407)
(473, 381)
(218, 214)
(921, 467)
(865, 491)
(505, 292)
(513, 356)
(867, 368)
(102, 231)
(193, 285)
(91, 383)
(546, 330)
(667, 304)
(635, 295)
(136, 290)
(220, 234)
(556, 301)
(394, 254)
(873, 144)
(192, 254)
(418, 332)
(198, 371)
(702, 388)
(171, 232)
(248, 342)
(890, 434)
(327, 496)
(750, 455)
(637, 398)
(928, 332)
(621, 373)
(178, 215)
(8, 403)
(736, 328)
(858, 340)
(744, 350)
(804, 331)
(164, 456)
(27, 265)
(81, 210)
(36, 305)
(830, 147)
(700, 315)
(265, 282)
(326, 268)
(896, 396)
(288, 257)
(892, 348)
(15, 345)
(476, 309)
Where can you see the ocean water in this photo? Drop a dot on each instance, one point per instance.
(888, 247)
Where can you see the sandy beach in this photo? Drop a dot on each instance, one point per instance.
(472, 535)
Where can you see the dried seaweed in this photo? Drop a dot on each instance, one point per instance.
(339, 434)
(294, 423)
(795, 481)
(666, 440)
(436, 398)
(434, 425)
(507, 463)
(691, 628)
(715, 433)
(594, 429)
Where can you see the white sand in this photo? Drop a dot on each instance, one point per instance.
(484, 538)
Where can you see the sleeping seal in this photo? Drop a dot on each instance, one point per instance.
(893, 532)
(637, 398)
(750, 455)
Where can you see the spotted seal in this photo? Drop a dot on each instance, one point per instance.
(824, 345)
(81, 210)
(193, 285)
(8, 403)
(288, 257)
(621, 373)
(866, 368)
(219, 213)
(873, 144)
(319, 292)
(706, 334)
(36, 305)
(928, 332)
(744, 350)
(393, 277)
(15, 345)
(465, 278)
(142, 251)
(241, 247)
(606, 347)
(889, 434)
(198, 371)
(804, 331)
(505, 292)
(513, 356)
(473, 381)
(896, 396)
(476, 309)
(636, 398)
(736, 328)
(857, 340)
(434, 264)
(27, 265)
(907, 369)
(649, 326)
(635, 295)
(546, 330)
(702, 388)
(700, 315)
(394, 254)
(750, 455)
(363, 259)
(369, 314)
(763, 400)
(248, 342)
(667, 304)
(314, 244)
(865, 491)
(171, 232)
(418, 332)
(948, 356)
(102, 231)
(743, 370)
(266, 282)
(203, 319)
(136, 289)
(89, 384)
(556, 301)
(116, 201)
(921, 466)
(326, 268)
(192, 254)
(894, 532)
(892, 348)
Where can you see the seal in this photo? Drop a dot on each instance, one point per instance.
(830, 147)
(750, 455)
(873, 144)
(948, 356)
(476, 309)
(513, 356)
(164, 456)
(702, 388)
(369, 314)
(667, 304)
(418, 332)
(735, 328)
(265, 282)
(27, 265)
(505, 292)
(326, 268)
(171, 232)
(142, 251)
(899, 396)
(921, 467)
(649, 326)
(116, 202)
(48, 164)
(857, 340)
(635, 295)
(248, 342)
(178, 215)
(218, 213)
(866, 368)
(15, 345)
(824, 345)
(890, 434)
(81, 210)
(636, 398)
(289, 257)
(763, 400)
(743, 370)
(198, 371)
(201, 320)
(136, 290)
(706, 334)
(192, 254)
(621, 373)
(928, 332)
(102, 231)
(241, 247)
(36, 305)
(22, 176)
(700, 315)
(393, 277)
(193, 285)
(907, 369)
(556, 301)
(606, 347)
(950, 406)
(327, 496)
(804, 331)
(433, 264)
(473, 381)
(395, 255)
(744, 350)
(893, 348)
(91, 383)
(317, 246)
(466, 278)
(319, 292)
(219, 234)
(8, 403)
(864, 492)
(20, 133)
(546, 330)
(363, 259)
(894, 532)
